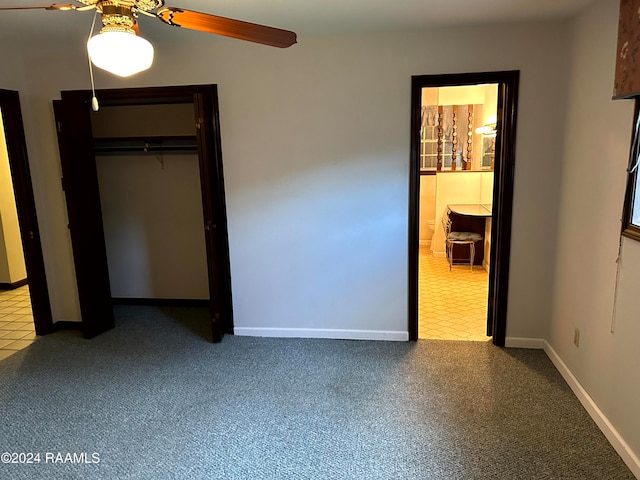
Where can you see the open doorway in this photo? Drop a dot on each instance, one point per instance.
(470, 156)
(457, 149)
(24, 300)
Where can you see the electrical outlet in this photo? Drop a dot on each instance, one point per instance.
(576, 337)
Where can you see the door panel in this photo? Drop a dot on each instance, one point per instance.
(213, 206)
(80, 183)
(502, 208)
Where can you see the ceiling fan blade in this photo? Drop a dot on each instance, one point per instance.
(227, 27)
(43, 7)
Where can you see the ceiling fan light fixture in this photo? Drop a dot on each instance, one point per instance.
(122, 53)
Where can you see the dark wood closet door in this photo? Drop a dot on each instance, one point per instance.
(213, 205)
(80, 183)
(502, 207)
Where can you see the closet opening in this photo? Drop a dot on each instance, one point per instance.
(145, 195)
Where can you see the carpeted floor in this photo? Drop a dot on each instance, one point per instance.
(154, 400)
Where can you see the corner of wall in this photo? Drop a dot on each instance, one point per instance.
(598, 416)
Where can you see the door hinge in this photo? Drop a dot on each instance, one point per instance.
(59, 124)
(199, 122)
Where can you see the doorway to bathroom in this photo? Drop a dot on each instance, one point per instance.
(24, 299)
(461, 189)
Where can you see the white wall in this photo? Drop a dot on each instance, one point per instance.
(316, 152)
(473, 95)
(490, 104)
(427, 209)
(12, 267)
(596, 154)
(12, 71)
(144, 120)
(154, 233)
(45, 169)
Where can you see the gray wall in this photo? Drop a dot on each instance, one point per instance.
(596, 155)
(316, 151)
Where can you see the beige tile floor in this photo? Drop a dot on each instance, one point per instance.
(452, 305)
(16, 321)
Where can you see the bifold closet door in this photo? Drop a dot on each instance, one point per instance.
(77, 154)
(80, 184)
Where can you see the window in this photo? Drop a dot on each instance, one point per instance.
(448, 128)
(631, 216)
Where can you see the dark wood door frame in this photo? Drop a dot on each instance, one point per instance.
(83, 200)
(25, 205)
(508, 82)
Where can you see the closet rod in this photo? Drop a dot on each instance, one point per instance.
(165, 144)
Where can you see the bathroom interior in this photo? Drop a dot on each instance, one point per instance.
(457, 149)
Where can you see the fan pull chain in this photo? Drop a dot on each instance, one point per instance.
(95, 106)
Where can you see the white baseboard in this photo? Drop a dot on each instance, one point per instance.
(425, 243)
(628, 456)
(322, 333)
(517, 342)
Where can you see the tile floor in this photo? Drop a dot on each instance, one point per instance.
(16, 321)
(452, 305)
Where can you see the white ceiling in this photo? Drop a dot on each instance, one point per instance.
(301, 16)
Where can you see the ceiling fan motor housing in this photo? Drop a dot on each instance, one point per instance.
(144, 5)
(117, 18)
(120, 15)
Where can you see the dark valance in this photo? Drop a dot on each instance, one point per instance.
(627, 79)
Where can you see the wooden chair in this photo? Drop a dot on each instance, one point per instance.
(458, 238)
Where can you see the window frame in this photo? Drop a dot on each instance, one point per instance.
(629, 229)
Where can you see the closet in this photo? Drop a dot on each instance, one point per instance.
(145, 197)
(147, 164)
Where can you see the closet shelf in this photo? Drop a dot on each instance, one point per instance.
(142, 145)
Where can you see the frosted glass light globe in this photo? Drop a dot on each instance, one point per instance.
(120, 53)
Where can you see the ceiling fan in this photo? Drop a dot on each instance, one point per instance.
(120, 36)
